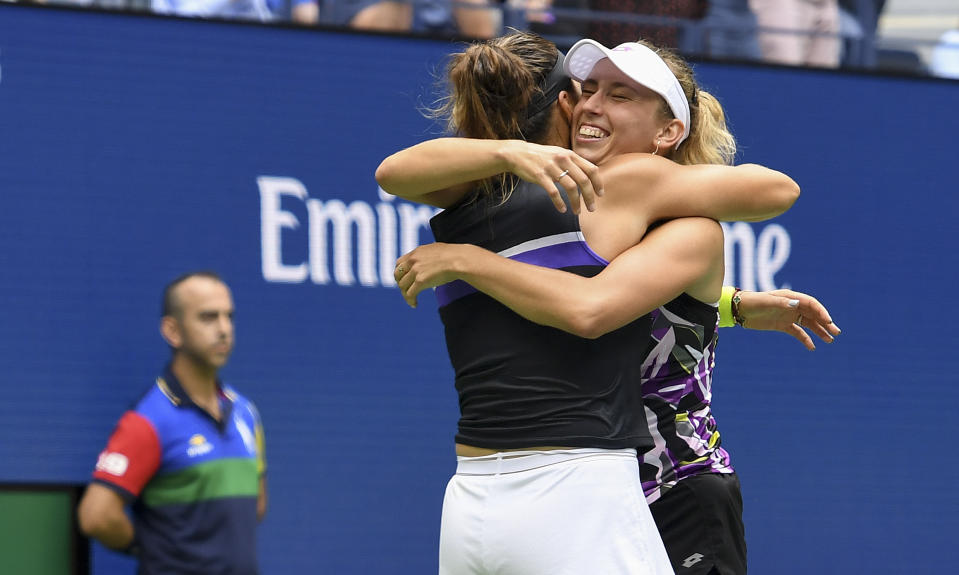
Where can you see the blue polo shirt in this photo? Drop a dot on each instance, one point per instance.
(193, 481)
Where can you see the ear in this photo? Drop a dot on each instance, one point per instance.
(670, 134)
(561, 120)
(170, 330)
(566, 102)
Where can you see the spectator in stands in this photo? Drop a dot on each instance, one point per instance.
(858, 22)
(239, 9)
(662, 33)
(799, 32)
(472, 18)
(306, 12)
(479, 19)
(381, 15)
(866, 13)
(541, 18)
(188, 456)
(728, 26)
(945, 56)
(303, 12)
(730, 30)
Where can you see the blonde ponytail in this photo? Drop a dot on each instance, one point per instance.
(709, 141)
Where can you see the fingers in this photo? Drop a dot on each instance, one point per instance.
(408, 287)
(405, 278)
(822, 331)
(815, 315)
(403, 265)
(567, 181)
(557, 197)
(832, 329)
(400, 270)
(581, 181)
(799, 333)
(585, 176)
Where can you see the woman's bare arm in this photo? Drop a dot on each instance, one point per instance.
(633, 284)
(663, 189)
(440, 172)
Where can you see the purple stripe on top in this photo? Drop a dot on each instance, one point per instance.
(556, 256)
(454, 290)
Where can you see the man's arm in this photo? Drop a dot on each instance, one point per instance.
(102, 515)
(261, 499)
(130, 459)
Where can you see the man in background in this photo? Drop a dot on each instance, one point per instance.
(188, 457)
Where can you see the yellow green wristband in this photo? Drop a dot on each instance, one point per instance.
(726, 318)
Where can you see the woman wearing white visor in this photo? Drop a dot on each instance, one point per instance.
(639, 189)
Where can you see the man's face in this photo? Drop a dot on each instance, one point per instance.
(204, 325)
(615, 115)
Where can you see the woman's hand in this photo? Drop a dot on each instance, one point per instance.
(553, 166)
(790, 312)
(428, 266)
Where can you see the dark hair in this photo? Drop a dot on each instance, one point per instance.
(171, 303)
(503, 89)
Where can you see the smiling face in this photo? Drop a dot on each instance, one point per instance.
(616, 115)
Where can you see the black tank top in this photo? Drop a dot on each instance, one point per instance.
(521, 384)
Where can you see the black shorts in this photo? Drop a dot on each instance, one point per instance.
(701, 522)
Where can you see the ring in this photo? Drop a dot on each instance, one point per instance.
(400, 269)
(561, 176)
(799, 321)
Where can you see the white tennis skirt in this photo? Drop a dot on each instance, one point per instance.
(554, 512)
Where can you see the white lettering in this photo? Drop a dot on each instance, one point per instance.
(343, 218)
(772, 251)
(272, 222)
(758, 262)
(380, 234)
(387, 218)
(198, 450)
(391, 228)
(740, 234)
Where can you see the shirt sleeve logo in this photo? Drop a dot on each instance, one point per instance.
(113, 463)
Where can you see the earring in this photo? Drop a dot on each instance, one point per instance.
(657, 147)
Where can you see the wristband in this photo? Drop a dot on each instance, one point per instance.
(726, 317)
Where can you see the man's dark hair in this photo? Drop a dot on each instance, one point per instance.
(171, 304)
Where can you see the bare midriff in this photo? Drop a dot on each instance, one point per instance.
(472, 451)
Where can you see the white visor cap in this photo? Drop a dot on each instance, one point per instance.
(639, 63)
